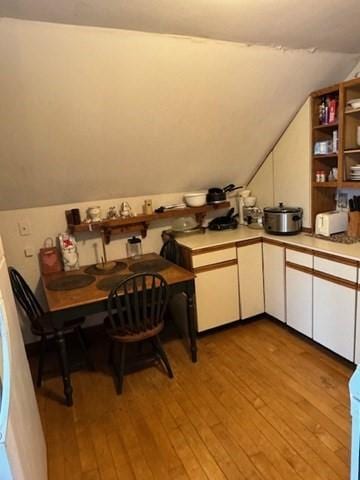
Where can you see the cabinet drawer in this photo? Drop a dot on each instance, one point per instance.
(299, 258)
(337, 269)
(217, 256)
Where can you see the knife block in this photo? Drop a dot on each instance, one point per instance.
(353, 229)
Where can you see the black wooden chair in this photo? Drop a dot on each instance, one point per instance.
(136, 310)
(41, 324)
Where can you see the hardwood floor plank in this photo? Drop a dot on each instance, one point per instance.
(260, 404)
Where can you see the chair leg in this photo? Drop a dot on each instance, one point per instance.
(41, 361)
(164, 358)
(81, 338)
(119, 369)
(64, 365)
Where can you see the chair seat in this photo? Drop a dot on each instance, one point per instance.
(48, 328)
(129, 336)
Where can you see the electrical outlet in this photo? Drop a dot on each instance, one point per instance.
(24, 228)
(29, 252)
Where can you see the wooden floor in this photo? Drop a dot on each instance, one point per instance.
(261, 403)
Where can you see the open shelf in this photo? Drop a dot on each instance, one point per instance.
(325, 184)
(352, 111)
(325, 126)
(140, 223)
(352, 150)
(326, 155)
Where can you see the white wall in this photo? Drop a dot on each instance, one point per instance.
(91, 113)
(285, 174)
(292, 160)
(262, 185)
(50, 221)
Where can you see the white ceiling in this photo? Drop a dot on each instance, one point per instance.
(331, 25)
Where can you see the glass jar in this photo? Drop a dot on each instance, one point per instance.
(134, 247)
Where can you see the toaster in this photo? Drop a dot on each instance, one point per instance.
(328, 223)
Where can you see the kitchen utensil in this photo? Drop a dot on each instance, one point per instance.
(328, 223)
(226, 222)
(184, 224)
(134, 248)
(217, 195)
(195, 199)
(170, 207)
(283, 220)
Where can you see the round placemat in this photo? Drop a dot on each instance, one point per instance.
(109, 283)
(150, 266)
(93, 270)
(70, 282)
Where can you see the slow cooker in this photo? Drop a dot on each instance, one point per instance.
(283, 220)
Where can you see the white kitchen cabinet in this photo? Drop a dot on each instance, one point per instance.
(334, 316)
(274, 280)
(299, 301)
(299, 290)
(217, 297)
(250, 270)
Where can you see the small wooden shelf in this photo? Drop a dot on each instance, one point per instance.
(326, 125)
(350, 111)
(140, 223)
(325, 184)
(352, 151)
(351, 184)
(326, 155)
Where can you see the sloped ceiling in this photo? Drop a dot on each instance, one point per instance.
(331, 25)
(91, 113)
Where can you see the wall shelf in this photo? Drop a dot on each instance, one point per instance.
(326, 126)
(325, 185)
(140, 223)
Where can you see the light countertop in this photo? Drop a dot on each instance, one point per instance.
(211, 238)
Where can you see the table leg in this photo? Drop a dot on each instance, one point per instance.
(64, 365)
(190, 293)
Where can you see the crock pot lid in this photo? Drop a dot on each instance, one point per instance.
(282, 209)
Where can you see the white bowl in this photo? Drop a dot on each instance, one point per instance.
(184, 224)
(249, 201)
(195, 199)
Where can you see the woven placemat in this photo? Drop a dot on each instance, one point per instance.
(109, 283)
(151, 266)
(93, 270)
(70, 282)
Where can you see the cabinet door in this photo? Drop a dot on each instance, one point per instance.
(334, 317)
(299, 300)
(274, 280)
(250, 280)
(357, 340)
(217, 297)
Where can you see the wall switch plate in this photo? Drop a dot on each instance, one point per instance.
(29, 252)
(24, 228)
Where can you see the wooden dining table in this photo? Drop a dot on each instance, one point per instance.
(68, 304)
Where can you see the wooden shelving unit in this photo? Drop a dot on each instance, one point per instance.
(323, 193)
(348, 120)
(140, 223)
